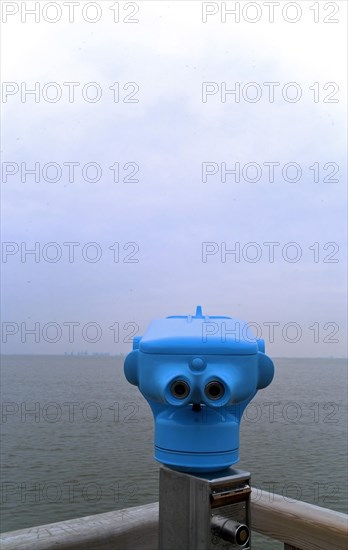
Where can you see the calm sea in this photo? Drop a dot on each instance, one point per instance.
(77, 438)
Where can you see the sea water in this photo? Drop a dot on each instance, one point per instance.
(77, 439)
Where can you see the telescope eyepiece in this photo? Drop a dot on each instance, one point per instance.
(180, 389)
(214, 390)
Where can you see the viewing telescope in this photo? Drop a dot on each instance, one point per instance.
(198, 374)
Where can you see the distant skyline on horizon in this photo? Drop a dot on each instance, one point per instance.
(101, 355)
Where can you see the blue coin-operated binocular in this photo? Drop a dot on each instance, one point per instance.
(198, 374)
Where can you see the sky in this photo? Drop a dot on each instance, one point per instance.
(157, 155)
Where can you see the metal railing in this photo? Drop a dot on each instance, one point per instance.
(299, 525)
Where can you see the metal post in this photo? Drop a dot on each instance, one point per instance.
(203, 511)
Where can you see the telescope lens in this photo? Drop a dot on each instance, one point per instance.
(180, 389)
(230, 530)
(214, 390)
(242, 535)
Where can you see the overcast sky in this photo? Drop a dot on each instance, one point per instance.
(172, 131)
